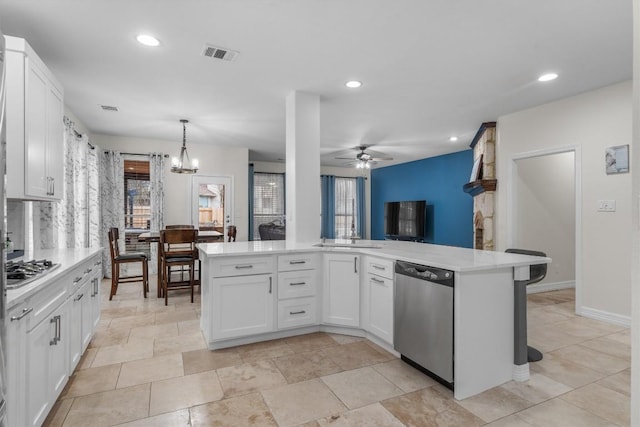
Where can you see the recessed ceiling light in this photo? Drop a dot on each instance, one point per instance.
(353, 84)
(147, 40)
(547, 77)
(453, 138)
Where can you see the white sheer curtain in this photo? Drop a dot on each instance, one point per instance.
(73, 222)
(156, 177)
(112, 198)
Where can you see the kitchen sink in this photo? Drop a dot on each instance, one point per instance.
(347, 245)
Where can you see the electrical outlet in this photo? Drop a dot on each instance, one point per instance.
(606, 205)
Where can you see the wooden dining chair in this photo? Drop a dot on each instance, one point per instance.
(178, 249)
(182, 270)
(117, 259)
(231, 233)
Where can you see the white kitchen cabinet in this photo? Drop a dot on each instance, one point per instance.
(35, 129)
(341, 290)
(95, 294)
(17, 363)
(377, 304)
(47, 364)
(81, 319)
(297, 288)
(243, 306)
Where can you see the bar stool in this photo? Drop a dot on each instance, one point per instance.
(117, 258)
(537, 272)
(178, 249)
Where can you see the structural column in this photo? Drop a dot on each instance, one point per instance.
(303, 167)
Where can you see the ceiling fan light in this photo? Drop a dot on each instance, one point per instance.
(547, 77)
(147, 40)
(353, 84)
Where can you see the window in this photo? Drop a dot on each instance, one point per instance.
(343, 207)
(268, 200)
(347, 221)
(137, 203)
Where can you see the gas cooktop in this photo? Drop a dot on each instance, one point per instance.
(20, 273)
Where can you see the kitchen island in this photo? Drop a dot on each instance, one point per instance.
(256, 291)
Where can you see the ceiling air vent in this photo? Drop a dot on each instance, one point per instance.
(109, 108)
(219, 53)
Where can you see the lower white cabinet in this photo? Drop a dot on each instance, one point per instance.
(381, 307)
(341, 292)
(297, 312)
(242, 305)
(17, 364)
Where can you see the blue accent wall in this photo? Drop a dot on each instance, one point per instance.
(439, 181)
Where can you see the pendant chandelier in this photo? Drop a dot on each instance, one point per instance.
(184, 164)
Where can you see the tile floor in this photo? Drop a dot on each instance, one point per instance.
(148, 366)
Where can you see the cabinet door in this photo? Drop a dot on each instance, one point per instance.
(341, 290)
(95, 296)
(243, 306)
(381, 307)
(75, 327)
(88, 313)
(16, 365)
(36, 135)
(55, 142)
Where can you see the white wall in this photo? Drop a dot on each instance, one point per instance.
(592, 121)
(214, 161)
(545, 212)
(274, 167)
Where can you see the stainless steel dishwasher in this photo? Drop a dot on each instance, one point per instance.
(423, 319)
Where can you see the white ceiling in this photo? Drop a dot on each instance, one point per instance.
(430, 68)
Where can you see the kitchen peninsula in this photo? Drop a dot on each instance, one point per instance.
(256, 291)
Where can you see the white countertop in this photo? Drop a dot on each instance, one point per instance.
(67, 258)
(447, 257)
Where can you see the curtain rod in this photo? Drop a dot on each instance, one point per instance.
(138, 154)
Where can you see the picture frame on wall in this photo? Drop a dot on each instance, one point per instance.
(617, 159)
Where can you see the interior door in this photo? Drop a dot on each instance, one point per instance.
(212, 202)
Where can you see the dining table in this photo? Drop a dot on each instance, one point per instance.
(204, 236)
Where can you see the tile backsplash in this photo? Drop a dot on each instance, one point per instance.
(15, 223)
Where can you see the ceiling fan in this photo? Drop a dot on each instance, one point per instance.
(365, 158)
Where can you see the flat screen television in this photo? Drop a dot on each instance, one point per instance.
(405, 220)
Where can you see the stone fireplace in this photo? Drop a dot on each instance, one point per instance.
(483, 187)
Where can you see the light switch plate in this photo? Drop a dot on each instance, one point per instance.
(606, 205)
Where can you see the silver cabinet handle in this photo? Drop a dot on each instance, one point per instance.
(53, 186)
(270, 284)
(77, 279)
(378, 267)
(78, 298)
(94, 289)
(59, 328)
(87, 271)
(57, 337)
(297, 262)
(25, 311)
(373, 279)
(297, 283)
(355, 264)
(97, 263)
(297, 312)
(240, 267)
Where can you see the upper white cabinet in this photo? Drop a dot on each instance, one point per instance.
(35, 129)
(341, 290)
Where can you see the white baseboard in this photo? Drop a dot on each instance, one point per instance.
(546, 287)
(605, 316)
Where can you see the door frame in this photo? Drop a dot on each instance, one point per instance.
(512, 195)
(225, 180)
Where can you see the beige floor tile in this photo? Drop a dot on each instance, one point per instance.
(247, 410)
(138, 349)
(250, 377)
(582, 327)
(370, 416)
(188, 327)
(404, 376)
(154, 306)
(310, 342)
(603, 402)
(355, 355)
(430, 407)
(542, 315)
(155, 331)
(592, 359)
(623, 336)
(565, 371)
(548, 338)
(92, 380)
(537, 389)
(172, 419)
(148, 370)
(183, 392)
(568, 308)
(176, 316)
(108, 337)
(58, 413)
(133, 321)
(620, 382)
(361, 387)
(511, 421)
(302, 402)
(345, 339)
(494, 404)
(207, 360)
(178, 344)
(87, 358)
(263, 350)
(305, 366)
(558, 413)
(608, 346)
(109, 407)
(118, 311)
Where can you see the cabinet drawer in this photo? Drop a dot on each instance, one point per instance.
(46, 301)
(295, 284)
(297, 312)
(380, 267)
(226, 267)
(303, 261)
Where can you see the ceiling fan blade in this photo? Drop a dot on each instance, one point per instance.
(381, 158)
(346, 158)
